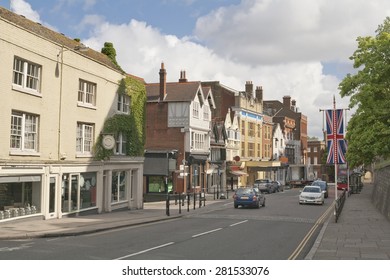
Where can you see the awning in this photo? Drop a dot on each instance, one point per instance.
(238, 173)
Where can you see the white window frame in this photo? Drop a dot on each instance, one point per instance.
(24, 133)
(206, 112)
(84, 139)
(123, 104)
(87, 94)
(195, 109)
(26, 76)
(121, 143)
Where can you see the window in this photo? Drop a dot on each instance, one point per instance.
(87, 93)
(120, 148)
(251, 149)
(198, 141)
(251, 129)
(26, 75)
(84, 138)
(24, 132)
(206, 111)
(118, 188)
(123, 103)
(195, 110)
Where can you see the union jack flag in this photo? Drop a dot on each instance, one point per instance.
(335, 131)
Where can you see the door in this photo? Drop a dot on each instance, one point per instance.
(52, 197)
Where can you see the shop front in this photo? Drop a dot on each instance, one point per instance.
(54, 191)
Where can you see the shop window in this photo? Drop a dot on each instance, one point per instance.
(157, 184)
(19, 198)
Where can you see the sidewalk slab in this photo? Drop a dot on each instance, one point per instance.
(361, 233)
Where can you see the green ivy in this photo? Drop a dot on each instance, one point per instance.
(132, 125)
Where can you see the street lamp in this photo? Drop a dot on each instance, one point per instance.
(60, 55)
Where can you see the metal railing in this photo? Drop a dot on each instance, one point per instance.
(339, 205)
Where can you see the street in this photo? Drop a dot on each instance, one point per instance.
(281, 230)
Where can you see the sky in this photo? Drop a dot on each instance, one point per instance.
(299, 48)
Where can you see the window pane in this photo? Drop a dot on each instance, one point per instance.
(18, 72)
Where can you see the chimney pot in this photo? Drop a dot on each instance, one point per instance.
(163, 82)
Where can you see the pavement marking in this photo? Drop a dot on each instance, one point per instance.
(207, 232)
(145, 251)
(232, 225)
(306, 239)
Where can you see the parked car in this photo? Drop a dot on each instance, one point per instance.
(248, 197)
(264, 185)
(323, 185)
(312, 195)
(278, 186)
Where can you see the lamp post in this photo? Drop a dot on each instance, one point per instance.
(60, 56)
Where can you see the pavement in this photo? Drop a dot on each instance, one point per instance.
(361, 231)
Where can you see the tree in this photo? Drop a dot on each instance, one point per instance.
(368, 132)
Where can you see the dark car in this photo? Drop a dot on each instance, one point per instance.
(323, 185)
(248, 197)
(278, 187)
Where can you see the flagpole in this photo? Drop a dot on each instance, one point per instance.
(334, 128)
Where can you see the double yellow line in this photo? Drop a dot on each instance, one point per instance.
(303, 243)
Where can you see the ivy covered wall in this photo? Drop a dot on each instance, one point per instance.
(131, 125)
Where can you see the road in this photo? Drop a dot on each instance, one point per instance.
(281, 230)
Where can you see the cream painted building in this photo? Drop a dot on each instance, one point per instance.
(55, 99)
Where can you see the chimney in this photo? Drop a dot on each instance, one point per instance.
(183, 78)
(163, 82)
(259, 93)
(293, 105)
(287, 101)
(249, 88)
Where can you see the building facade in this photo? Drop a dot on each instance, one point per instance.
(55, 102)
(179, 118)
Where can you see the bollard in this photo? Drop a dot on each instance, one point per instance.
(184, 196)
(200, 199)
(175, 198)
(179, 203)
(167, 205)
(188, 202)
(194, 199)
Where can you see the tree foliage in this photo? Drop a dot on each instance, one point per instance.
(368, 132)
(110, 51)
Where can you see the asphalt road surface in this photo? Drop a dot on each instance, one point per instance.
(281, 230)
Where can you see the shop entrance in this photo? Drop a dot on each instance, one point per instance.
(53, 197)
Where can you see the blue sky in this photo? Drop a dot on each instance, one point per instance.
(289, 47)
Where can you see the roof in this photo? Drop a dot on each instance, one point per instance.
(184, 92)
(53, 36)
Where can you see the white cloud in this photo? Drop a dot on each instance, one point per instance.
(281, 45)
(270, 31)
(141, 48)
(23, 8)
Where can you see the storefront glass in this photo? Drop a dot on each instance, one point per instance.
(78, 191)
(156, 184)
(119, 188)
(20, 196)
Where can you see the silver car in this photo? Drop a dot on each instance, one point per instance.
(311, 195)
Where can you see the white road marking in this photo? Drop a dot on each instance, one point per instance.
(145, 251)
(207, 232)
(232, 225)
